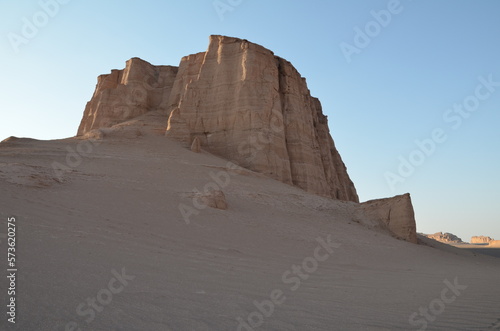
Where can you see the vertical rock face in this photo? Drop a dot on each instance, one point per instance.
(241, 102)
(396, 213)
(127, 93)
(254, 108)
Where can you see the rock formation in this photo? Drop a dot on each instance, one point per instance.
(128, 93)
(253, 108)
(196, 145)
(244, 104)
(213, 199)
(481, 240)
(395, 213)
(241, 102)
(447, 238)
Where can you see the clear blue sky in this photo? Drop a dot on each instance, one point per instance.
(400, 83)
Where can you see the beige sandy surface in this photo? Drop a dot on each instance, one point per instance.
(118, 208)
(495, 243)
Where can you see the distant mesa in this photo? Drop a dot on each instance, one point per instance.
(494, 243)
(481, 240)
(238, 101)
(447, 238)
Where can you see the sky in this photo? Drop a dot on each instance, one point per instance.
(411, 88)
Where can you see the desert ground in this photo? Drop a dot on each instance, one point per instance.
(102, 244)
(485, 249)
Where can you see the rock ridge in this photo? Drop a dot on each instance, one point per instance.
(445, 237)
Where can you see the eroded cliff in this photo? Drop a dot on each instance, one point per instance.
(241, 102)
(128, 93)
(253, 108)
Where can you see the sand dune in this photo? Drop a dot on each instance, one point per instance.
(109, 227)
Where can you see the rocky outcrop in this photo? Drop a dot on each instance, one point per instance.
(241, 102)
(196, 145)
(447, 238)
(253, 108)
(494, 243)
(213, 199)
(395, 213)
(481, 240)
(128, 93)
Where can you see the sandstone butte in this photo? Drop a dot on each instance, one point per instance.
(239, 101)
(481, 240)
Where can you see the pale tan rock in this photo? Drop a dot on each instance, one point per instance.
(481, 240)
(447, 238)
(494, 243)
(196, 145)
(95, 134)
(181, 131)
(241, 102)
(126, 94)
(254, 108)
(395, 213)
(213, 199)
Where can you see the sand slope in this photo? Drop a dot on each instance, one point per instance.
(118, 208)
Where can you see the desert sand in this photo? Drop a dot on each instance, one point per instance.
(118, 209)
